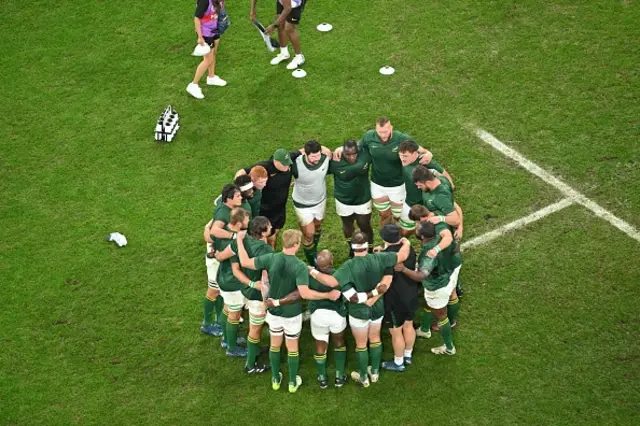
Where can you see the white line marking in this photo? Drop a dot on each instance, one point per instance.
(569, 192)
(496, 233)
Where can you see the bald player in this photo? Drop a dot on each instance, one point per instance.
(328, 317)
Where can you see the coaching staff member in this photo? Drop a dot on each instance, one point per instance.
(276, 193)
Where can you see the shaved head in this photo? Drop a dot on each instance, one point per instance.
(325, 259)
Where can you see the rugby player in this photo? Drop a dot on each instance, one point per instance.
(409, 154)
(286, 274)
(351, 189)
(289, 14)
(255, 244)
(438, 276)
(230, 286)
(419, 213)
(328, 317)
(437, 196)
(387, 183)
(310, 195)
(259, 179)
(362, 281)
(276, 192)
(229, 198)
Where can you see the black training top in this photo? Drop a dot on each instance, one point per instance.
(402, 294)
(276, 192)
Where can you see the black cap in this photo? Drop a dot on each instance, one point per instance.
(390, 233)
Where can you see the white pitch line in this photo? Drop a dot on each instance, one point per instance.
(569, 192)
(496, 233)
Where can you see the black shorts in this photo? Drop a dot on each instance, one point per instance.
(211, 41)
(294, 15)
(276, 217)
(398, 318)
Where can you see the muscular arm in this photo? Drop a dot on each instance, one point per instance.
(426, 155)
(290, 298)
(309, 294)
(325, 279)
(207, 232)
(240, 276)
(446, 174)
(218, 231)
(225, 254)
(458, 233)
(403, 254)
(452, 219)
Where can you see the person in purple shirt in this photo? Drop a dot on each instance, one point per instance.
(206, 23)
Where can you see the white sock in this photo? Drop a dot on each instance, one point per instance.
(398, 360)
(408, 352)
(284, 50)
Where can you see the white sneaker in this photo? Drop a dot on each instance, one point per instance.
(374, 377)
(195, 91)
(355, 376)
(216, 81)
(297, 61)
(442, 350)
(281, 57)
(423, 334)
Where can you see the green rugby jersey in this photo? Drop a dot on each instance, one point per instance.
(363, 273)
(351, 181)
(254, 203)
(254, 248)
(225, 278)
(439, 268)
(330, 305)
(286, 272)
(440, 200)
(386, 167)
(414, 194)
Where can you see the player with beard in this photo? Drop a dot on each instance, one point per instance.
(387, 184)
(310, 195)
(439, 276)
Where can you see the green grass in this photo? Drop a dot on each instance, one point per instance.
(93, 334)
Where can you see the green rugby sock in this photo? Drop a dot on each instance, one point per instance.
(274, 360)
(427, 320)
(362, 355)
(294, 363)
(223, 324)
(321, 364)
(232, 334)
(219, 307)
(341, 357)
(445, 332)
(376, 356)
(452, 309)
(253, 349)
(209, 307)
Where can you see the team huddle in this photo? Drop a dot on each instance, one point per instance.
(413, 194)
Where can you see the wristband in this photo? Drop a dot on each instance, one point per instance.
(252, 284)
(374, 293)
(362, 297)
(276, 302)
(314, 273)
(437, 249)
(233, 235)
(442, 219)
